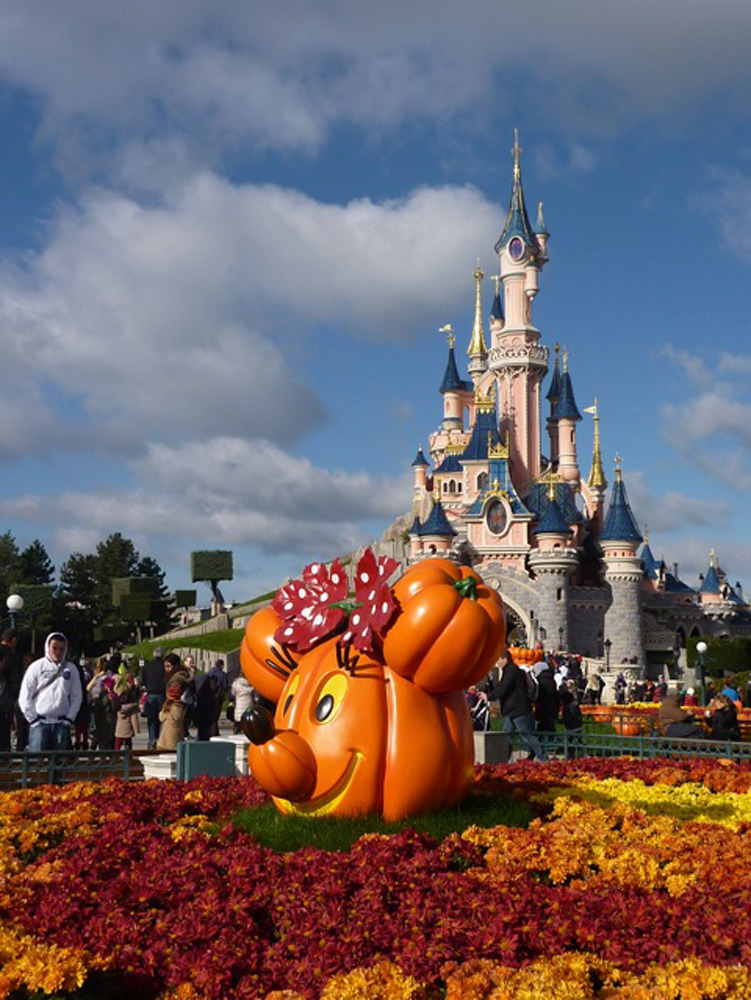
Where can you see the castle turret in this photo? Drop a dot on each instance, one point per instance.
(436, 534)
(620, 539)
(516, 357)
(553, 563)
(453, 389)
(497, 318)
(567, 416)
(477, 350)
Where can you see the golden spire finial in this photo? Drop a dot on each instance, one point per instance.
(496, 285)
(711, 557)
(449, 334)
(477, 347)
(565, 358)
(551, 489)
(617, 468)
(597, 473)
(516, 152)
(646, 535)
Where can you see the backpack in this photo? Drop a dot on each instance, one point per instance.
(532, 685)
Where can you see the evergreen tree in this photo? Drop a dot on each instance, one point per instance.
(115, 557)
(151, 568)
(36, 565)
(74, 606)
(10, 564)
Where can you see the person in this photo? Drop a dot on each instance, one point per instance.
(620, 689)
(672, 720)
(128, 709)
(10, 685)
(103, 702)
(515, 706)
(154, 686)
(50, 696)
(83, 720)
(594, 687)
(205, 706)
(174, 709)
(723, 719)
(190, 668)
(479, 710)
(220, 683)
(571, 716)
(730, 691)
(242, 696)
(548, 703)
(690, 700)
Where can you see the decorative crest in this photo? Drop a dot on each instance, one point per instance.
(449, 334)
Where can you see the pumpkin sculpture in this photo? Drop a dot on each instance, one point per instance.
(370, 711)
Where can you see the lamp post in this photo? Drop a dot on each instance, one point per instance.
(701, 652)
(607, 644)
(560, 638)
(14, 603)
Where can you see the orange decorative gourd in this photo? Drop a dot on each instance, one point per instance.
(524, 656)
(386, 731)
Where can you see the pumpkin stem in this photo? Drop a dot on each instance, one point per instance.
(346, 606)
(467, 587)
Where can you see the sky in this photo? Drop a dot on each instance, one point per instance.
(230, 233)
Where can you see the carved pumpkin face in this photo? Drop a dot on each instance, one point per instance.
(355, 733)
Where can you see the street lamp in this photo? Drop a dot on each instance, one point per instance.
(607, 644)
(701, 652)
(14, 603)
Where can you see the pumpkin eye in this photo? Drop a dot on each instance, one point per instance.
(291, 691)
(331, 697)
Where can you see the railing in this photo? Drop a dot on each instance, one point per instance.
(589, 743)
(26, 769)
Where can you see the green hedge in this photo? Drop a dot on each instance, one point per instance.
(208, 565)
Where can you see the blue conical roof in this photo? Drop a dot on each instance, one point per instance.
(620, 523)
(517, 220)
(437, 523)
(552, 522)
(554, 391)
(420, 458)
(484, 432)
(451, 381)
(496, 311)
(565, 408)
(651, 566)
(711, 582)
(415, 527)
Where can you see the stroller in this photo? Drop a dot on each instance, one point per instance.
(479, 711)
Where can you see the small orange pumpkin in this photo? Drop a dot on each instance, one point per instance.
(388, 733)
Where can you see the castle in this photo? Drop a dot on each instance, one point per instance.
(571, 563)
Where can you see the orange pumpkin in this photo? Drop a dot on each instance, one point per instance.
(448, 616)
(356, 733)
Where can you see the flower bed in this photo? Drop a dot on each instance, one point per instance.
(630, 883)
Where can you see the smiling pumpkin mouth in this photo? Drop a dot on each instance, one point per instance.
(326, 803)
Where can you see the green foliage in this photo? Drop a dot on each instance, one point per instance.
(111, 633)
(144, 586)
(10, 564)
(186, 598)
(139, 608)
(36, 565)
(724, 656)
(338, 833)
(210, 565)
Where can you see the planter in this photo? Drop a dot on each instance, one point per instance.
(624, 727)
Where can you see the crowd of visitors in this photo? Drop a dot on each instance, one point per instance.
(51, 702)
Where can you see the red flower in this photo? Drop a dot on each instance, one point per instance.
(310, 608)
(376, 603)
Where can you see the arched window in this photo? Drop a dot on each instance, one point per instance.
(452, 486)
(482, 481)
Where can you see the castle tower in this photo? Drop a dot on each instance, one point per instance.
(420, 467)
(516, 358)
(624, 571)
(553, 563)
(567, 417)
(477, 350)
(453, 389)
(436, 534)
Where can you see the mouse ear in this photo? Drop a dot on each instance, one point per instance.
(450, 629)
(266, 662)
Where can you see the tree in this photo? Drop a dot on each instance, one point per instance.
(165, 617)
(10, 564)
(74, 605)
(115, 557)
(36, 565)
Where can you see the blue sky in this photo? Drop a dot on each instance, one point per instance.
(230, 233)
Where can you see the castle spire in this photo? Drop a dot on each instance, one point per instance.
(517, 220)
(597, 473)
(496, 312)
(477, 348)
(620, 523)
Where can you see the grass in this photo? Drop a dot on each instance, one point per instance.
(224, 641)
(338, 833)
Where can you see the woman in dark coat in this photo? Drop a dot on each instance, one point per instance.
(675, 721)
(724, 719)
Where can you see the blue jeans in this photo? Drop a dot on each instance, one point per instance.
(151, 709)
(524, 725)
(49, 736)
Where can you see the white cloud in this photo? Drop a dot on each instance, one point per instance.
(161, 322)
(226, 491)
(672, 511)
(280, 75)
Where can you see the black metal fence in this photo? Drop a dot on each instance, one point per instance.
(26, 769)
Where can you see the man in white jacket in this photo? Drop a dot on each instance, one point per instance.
(51, 696)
